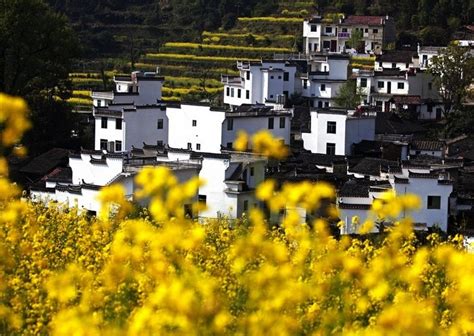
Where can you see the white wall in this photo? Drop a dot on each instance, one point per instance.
(317, 140)
(111, 133)
(142, 126)
(98, 174)
(207, 132)
(424, 187)
(358, 129)
(252, 125)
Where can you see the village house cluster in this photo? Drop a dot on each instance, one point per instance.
(363, 151)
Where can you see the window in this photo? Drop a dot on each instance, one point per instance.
(282, 122)
(328, 30)
(279, 77)
(331, 148)
(103, 122)
(380, 84)
(344, 30)
(159, 124)
(323, 87)
(229, 145)
(320, 104)
(247, 94)
(118, 124)
(247, 75)
(270, 123)
(159, 143)
(239, 93)
(230, 124)
(430, 86)
(331, 127)
(188, 210)
(401, 85)
(252, 171)
(118, 146)
(246, 205)
(202, 199)
(376, 31)
(326, 44)
(271, 96)
(198, 146)
(286, 76)
(326, 104)
(363, 82)
(434, 202)
(227, 92)
(103, 144)
(232, 92)
(272, 77)
(394, 65)
(314, 28)
(190, 146)
(305, 83)
(194, 123)
(366, 30)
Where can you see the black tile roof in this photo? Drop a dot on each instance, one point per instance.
(46, 162)
(397, 56)
(374, 166)
(390, 123)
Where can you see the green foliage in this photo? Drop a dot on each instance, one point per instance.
(349, 95)
(36, 51)
(453, 72)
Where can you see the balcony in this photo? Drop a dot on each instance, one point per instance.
(232, 80)
(105, 95)
(344, 35)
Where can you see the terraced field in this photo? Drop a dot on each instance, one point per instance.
(193, 69)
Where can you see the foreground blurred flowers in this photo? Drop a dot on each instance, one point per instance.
(64, 273)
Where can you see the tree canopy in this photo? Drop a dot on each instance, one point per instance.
(453, 71)
(36, 51)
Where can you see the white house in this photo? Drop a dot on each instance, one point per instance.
(140, 88)
(426, 54)
(412, 90)
(326, 74)
(92, 170)
(333, 34)
(230, 180)
(397, 59)
(334, 131)
(356, 196)
(118, 128)
(206, 129)
(260, 82)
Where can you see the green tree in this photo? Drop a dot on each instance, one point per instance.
(453, 72)
(355, 41)
(349, 95)
(36, 50)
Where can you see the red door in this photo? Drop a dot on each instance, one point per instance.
(333, 45)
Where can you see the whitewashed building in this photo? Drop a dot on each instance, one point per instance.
(332, 35)
(260, 82)
(412, 90)
(140, 88)
(326, 74)
(205, 129)
(131, 114)
(92, 170)
(334, 131)
(434, 190)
